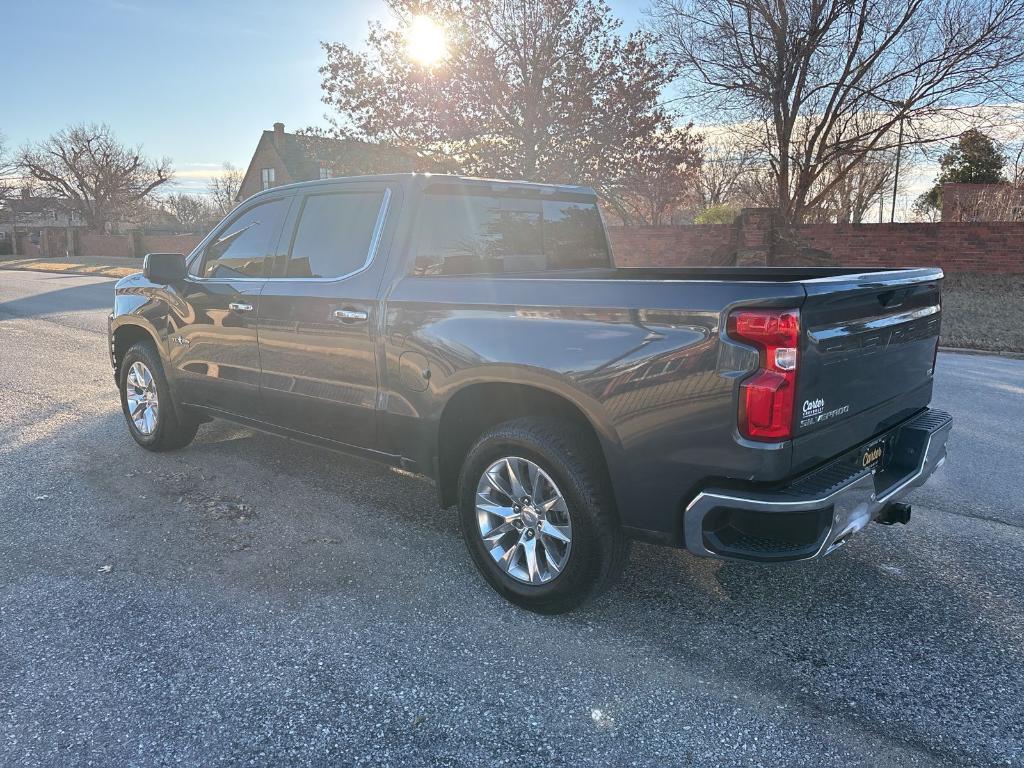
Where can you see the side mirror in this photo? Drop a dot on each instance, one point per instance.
(163, 268)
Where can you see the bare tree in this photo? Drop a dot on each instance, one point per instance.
(8, 171)
(822, 85)
(223, 190)
(725, 167)
(196, 213)
(99, 176)
(662, 178)
(1015, 172)
(989, 202)
(758, 188)
(852, 198)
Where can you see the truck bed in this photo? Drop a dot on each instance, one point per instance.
(723, 274)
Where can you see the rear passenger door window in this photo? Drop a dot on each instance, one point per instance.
(335, 234)
(460, 234)
(241, 248)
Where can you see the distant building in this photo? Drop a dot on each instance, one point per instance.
(284, 158)
(44, 226)
(982, 202)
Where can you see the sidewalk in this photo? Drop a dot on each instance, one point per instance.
(82, 265)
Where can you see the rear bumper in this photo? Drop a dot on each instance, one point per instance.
(818, 512)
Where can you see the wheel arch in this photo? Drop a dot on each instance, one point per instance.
(477, 406)
(124, 336)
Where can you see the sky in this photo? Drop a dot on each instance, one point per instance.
(193, 81)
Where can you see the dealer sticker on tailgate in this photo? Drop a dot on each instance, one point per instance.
(813, 412)
(872, 455)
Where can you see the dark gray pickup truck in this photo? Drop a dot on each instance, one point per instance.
(476, 332)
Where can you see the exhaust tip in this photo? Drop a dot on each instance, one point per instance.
(893, 513)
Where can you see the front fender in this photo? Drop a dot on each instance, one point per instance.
(139, 307)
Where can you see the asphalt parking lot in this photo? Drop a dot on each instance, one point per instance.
(251, 601)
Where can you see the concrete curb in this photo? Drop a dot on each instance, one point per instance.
(985, 352)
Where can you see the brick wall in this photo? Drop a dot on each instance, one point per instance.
(994, 248)
(128, 246)
(170, 243)
(95, 244)
(699, 245)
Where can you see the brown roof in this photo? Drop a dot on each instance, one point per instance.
(39, 204)
(304, 155)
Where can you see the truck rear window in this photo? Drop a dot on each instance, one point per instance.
(463, 234)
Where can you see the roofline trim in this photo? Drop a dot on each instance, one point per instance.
(433, 178)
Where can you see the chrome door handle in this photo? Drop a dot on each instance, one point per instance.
(349, 315)
(237, 306)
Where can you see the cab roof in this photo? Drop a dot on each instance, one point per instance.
(426, 180)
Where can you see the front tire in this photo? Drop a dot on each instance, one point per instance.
(153, 419)
(538, 517)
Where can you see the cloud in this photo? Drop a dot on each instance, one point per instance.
(198, 173)
(193, 178)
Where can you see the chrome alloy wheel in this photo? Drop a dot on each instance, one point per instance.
(523, 520)
(143, 404)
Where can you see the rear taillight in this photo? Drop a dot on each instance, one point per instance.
(767, 397)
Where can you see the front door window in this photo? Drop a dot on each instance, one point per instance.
(240, 249)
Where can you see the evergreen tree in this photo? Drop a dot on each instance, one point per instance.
(974, 158)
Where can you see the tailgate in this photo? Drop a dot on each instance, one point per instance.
(866, 354)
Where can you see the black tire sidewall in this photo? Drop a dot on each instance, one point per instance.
(587, 556)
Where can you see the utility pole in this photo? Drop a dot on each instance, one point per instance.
(896, 176)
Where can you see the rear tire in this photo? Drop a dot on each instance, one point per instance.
(143, 385)
(552, 458)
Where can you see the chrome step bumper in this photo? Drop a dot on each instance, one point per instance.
(817, 513)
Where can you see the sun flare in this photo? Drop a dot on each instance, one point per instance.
(425, 41)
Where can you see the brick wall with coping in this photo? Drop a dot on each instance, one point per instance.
(698, 245)
(995, 247)
(758, 238)
(127, 246)
(96, 244)
(170, 243)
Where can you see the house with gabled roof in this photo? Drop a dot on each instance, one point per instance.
(284, 158)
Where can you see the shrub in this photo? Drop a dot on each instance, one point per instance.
(722, 213)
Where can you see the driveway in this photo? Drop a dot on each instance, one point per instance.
(251, 601)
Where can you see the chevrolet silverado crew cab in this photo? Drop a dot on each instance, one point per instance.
(477, 332)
